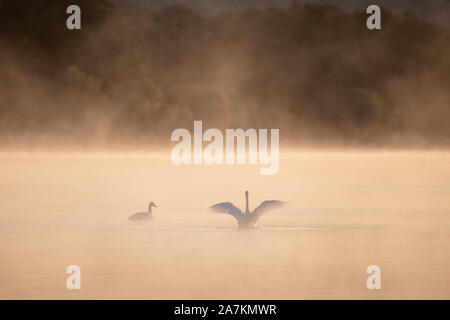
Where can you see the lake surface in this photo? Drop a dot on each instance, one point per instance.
(347, 210)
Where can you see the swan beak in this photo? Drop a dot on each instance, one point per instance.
(155, 205)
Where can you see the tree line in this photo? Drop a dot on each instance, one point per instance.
(133, 74)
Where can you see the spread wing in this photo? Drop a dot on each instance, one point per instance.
(266, 206)
(226, 207)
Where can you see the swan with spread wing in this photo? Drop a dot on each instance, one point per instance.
(248, 218)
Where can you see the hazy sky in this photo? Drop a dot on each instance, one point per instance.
(437, 11)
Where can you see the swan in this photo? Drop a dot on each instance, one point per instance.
(246, 219)
(144, 215)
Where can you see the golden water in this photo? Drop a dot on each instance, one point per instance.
(347, 211)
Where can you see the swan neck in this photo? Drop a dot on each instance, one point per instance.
(246, 203)
(150, 209)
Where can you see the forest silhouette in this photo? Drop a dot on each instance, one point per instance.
(133, 74)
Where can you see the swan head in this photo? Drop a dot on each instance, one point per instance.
(151, 204)
(246, 193)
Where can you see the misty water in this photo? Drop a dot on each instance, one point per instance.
(347, 210)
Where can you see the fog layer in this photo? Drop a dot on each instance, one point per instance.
(132, 74)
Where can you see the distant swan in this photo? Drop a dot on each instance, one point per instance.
(144, 215)
(246, 219)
